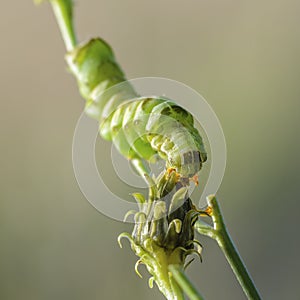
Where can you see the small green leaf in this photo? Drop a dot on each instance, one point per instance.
(151, 282)
(129, 213)
(136, 268)
(140, 199)
(124, 235)
(178, 199)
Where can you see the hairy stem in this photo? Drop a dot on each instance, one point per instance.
(220, 234)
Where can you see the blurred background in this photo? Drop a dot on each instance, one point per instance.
(242, 56)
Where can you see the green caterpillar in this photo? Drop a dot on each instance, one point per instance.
(140, 127)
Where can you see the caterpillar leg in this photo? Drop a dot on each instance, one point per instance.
(203, 213)
(170, 170)
(195, 179)
(208, 211)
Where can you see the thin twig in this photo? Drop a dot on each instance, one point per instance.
(63, 11)
(184, 283)
(219, 233)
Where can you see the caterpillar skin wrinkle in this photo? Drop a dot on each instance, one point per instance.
(139, 127)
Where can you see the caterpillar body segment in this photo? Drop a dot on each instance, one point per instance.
(96, 70)
(143, 133)
(140, 127)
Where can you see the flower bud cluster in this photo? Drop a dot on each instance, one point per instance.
(164, 229)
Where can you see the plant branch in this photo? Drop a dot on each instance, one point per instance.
(219, 233)
(63, 11)
(184, 283)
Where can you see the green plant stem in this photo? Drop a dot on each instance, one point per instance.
(63, 11)
(184, 283)
(177, 292)
(220, 234)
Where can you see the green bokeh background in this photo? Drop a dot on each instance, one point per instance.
(242, 56)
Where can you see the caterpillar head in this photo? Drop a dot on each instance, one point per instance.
(188, 163)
